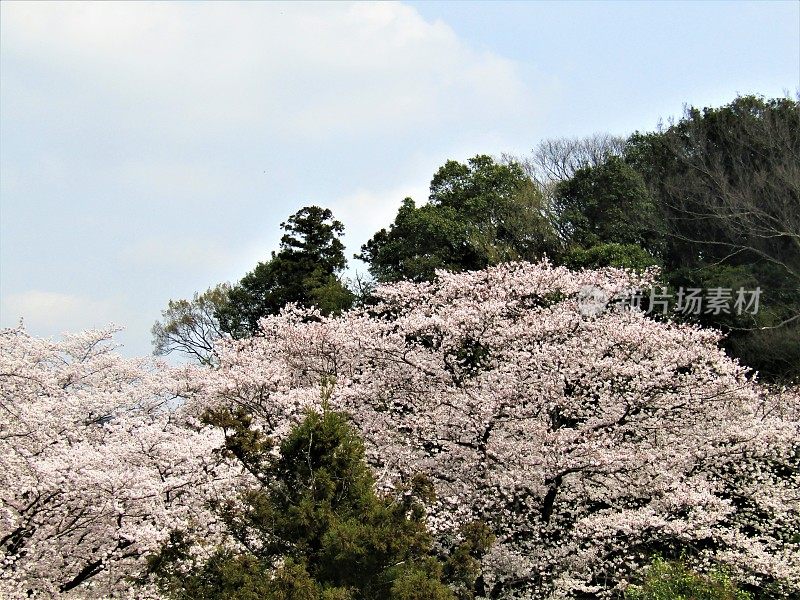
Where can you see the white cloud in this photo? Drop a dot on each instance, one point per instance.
(313, 71)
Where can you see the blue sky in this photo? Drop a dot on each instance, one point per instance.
(151, 150)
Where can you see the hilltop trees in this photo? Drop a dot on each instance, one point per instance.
(558, 159)
(478, 214)
(305, 270)
(713, 198)
(608, 206)
(727, 182)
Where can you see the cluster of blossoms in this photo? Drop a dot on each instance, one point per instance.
(586, 440)
(98, 463)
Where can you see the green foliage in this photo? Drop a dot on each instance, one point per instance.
(292, 582)
(760, 340)
(415, 585)
(713, 199)
(608, 203)
(462, 567)
(314, 527)
(672, 580)
(727, 180)
(625, 256)
(304, 271)
(727, 183)
(478, 214)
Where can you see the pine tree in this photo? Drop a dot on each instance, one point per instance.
(314, 526)
(305, 270)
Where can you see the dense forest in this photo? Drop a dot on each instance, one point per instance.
(572, 374)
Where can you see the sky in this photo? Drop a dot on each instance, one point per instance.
(148, 151)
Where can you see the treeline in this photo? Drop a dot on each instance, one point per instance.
(713, 200)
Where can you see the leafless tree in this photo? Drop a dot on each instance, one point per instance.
(557, 159)
(191, 326)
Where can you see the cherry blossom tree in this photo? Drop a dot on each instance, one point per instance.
(586, 439)
(585, 435)
(96, 465)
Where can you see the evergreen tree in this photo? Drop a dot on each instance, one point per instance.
(608, 203)
(305, 271)
(313, 527)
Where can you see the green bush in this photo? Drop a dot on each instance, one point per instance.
(673, 580)
(624, 256)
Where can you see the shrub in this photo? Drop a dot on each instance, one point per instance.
(673, 580)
